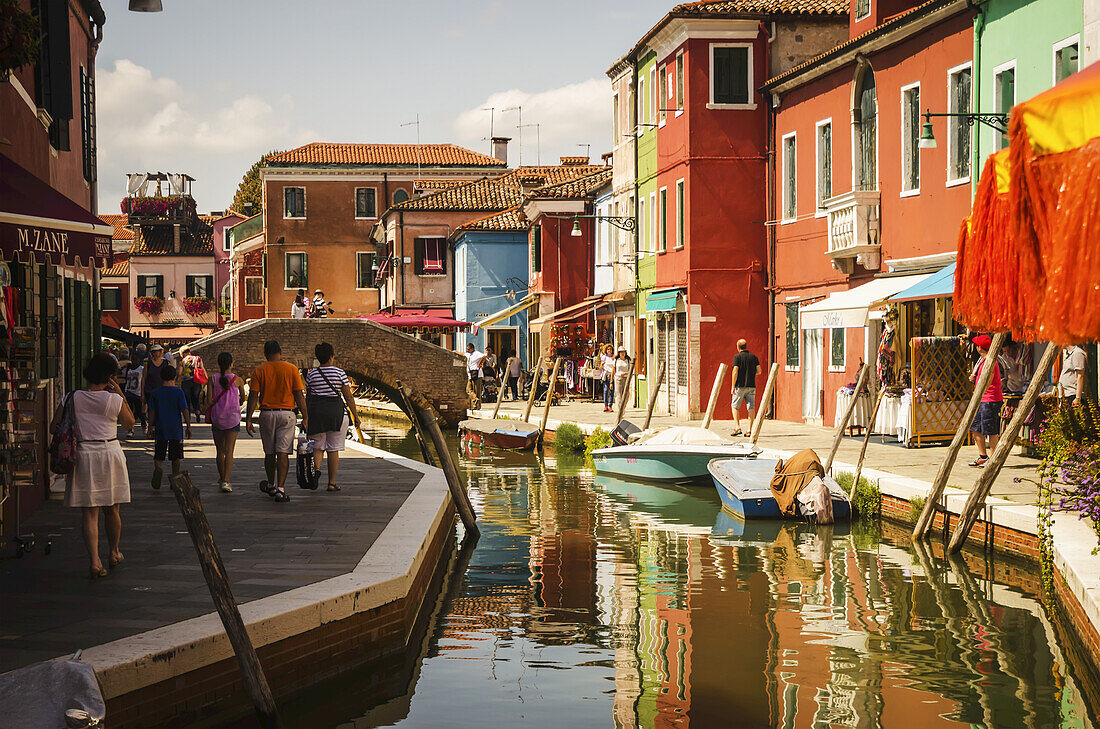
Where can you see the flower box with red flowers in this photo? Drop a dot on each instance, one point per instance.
(198, 305)
(149, 305)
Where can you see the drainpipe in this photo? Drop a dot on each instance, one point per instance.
(93, 184)
(400, 260)
(769, 195)
(979, 26)
(642, 356)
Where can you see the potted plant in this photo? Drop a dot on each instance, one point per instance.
(19, 38)
(149, 305)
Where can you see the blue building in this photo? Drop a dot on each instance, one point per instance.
(491, 273)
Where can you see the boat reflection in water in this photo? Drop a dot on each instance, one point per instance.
(592, 602)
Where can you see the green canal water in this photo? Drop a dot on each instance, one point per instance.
(600, 603)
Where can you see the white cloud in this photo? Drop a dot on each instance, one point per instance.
(149, 123)
(568, 116)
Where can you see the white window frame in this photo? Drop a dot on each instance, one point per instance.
(997, 71)
(140, 291)
(642, 106)
(654, 92)
(711, 104)
(1073, 40)
(951, 73)
(843, 365)
(117, 290)
(357, 286)
(225, 239)
(642, 241)
(198, 276)
(819, 210)
(355, 202)
(681, 205)
(783, 156)
(662, 74)
(263, 290)
(305, 206)
(653, 222)
(295, 288)
(616, 128)
(798, 338)
(865, 15)
(680, 74)
(662, 220)
(905, 140)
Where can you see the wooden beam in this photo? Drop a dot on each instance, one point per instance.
(549, 396)
(217, 581)
(500, 390)
(976, 500)
(656, 388)
(719, 378)
(454, 482)
(867, 439)
(534, 386)
(962, 432)
(626, 396)
(765, 402)
(847, 417)
(418, 430)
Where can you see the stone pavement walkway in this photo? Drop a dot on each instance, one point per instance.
(883, 453)
(50, 607)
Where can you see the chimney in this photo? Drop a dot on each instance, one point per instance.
(574, 160)
(608, 158)
(176, 238)
(529, 181)
(500, 148)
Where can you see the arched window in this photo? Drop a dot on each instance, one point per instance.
(400, 196)
(864, 119)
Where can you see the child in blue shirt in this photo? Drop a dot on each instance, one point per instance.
(168, 411)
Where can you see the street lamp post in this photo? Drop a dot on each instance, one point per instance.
(999, 122)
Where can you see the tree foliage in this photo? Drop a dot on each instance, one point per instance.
(250, 191)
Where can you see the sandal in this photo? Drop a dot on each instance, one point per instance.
(95, 574)
(158, 476)
(267, 488)
(112, 563)
(736, 433)
(333, 487)
(280, 496)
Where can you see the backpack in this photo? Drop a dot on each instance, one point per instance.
(65, 436)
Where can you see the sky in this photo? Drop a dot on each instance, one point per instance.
(206, 87)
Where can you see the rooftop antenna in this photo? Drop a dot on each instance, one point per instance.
(538, 142)
(417, 125)
(519, 126)
(587, 151)
(492, 114)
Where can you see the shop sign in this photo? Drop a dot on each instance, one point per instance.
(25, 241)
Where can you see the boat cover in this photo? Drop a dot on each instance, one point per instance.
(685, 435)
(792, 475)
(38, 695)
(500, 425)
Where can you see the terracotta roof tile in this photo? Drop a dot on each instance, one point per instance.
(554, 174)
(157, 240)
(580, 187)
(762, 7)
(439, 183)
(119, 269)
(119, 222)
(511, 219)
(481, 195)
(372, 155)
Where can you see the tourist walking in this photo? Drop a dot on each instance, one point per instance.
(320, 306)
(301, 307)
(514, 369)
(746, 368)
(1072, 378)
(607, 377)
(987, 421)
(328, 400)
(192, 379)
(152, 375)
(168, 411)
(139, 354)
(276, 388)
(623, 366)
(224, 416)
(99, 479)
(132, 390)
(474, 359)
(489, 373)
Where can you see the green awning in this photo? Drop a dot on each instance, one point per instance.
(662, 300)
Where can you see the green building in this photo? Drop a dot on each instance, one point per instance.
(646, 98)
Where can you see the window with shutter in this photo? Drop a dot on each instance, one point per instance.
(151, 285)
(365, 202)
(824, 163)
(536, 248)
(253, 291)
(731, 71)
(296, 271)
(959, 129)
(1004, 91)
(294, 202)
(110, 299)
(429, 255)
(792, 336)
(364, 270)
(868, 132)
(790, 178)
(910, 139)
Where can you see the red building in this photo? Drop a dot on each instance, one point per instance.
(857, 201)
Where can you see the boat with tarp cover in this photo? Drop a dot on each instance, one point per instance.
(674, 455)
(744, 486)
(499, 433)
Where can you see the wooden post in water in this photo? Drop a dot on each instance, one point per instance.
(847, 417)
(549, 396)
(217, 581)
(454, 481)
(867, 439)
(656, 388)
(500, 391)
(962, 432)
(977, 497)
(410, 411)
(719, 377)
(625, 397)
(765, 402)
(534, 386)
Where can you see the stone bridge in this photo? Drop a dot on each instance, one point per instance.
(370, 353)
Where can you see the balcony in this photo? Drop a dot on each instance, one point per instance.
(173, 312)
(854, 230)
(161, 210)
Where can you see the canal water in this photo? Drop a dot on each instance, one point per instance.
(591, 602)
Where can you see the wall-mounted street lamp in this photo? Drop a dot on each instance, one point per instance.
(146, 6)
(619, 221)
(998, 122)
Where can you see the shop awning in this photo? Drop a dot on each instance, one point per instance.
(937, 285)
(178, 334)
(848, 309)
(569, 312)
(437, 321)
(662, 300)
(38, 221)
(522, 305)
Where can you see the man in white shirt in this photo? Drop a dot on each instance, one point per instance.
(1072, 379)
(474, 359)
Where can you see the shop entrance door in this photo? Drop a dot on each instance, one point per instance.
(503, 341)
(811, 375)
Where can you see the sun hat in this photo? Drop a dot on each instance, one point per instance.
(156, 348)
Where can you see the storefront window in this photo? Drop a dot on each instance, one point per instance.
(792, 336)
(836, 349)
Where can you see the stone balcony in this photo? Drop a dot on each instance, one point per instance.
(854, 230)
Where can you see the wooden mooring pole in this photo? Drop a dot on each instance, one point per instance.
(454, 482)
(765, 402)
(847, 417)
(500, 389)
(534, 387)
(410, 411)
(867, 439)
(976, 500)
(549, 396)
(217, 581)
(962, 432)
(626, 396)
(654, 389)
(719, 378)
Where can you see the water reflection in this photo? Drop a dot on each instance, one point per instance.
(593, 602)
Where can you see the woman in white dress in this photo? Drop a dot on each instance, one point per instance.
(100, 478)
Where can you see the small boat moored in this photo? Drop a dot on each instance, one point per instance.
(744, 486)
(675, 455)
(500, 433)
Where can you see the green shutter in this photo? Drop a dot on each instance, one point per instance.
(190, 286)
(792, 335)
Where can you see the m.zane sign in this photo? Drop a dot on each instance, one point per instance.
(59, 246)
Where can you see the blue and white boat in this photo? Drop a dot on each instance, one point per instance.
(674, 455)
(744, 486)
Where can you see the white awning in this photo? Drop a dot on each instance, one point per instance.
(849, 309)
(527, 302)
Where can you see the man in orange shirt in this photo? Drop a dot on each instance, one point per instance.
(277, 387)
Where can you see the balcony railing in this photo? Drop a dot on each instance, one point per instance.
(173, 313)
(163, 210)
(854, 230)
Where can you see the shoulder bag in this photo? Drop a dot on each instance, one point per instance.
(64, 440)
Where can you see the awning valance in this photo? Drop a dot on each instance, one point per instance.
(849, 309)
(38, 221)
(522, 305)
(569, 312)
(662, 300)
(937, 285)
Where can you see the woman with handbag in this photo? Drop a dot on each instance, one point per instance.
(193, 378)
(97, 477)
(224, 416)
(328, 401)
